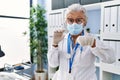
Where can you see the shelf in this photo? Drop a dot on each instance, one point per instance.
(111, 36)
(112, 68)
(98, 35)
(97, 64)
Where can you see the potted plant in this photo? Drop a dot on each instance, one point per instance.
(38, 39)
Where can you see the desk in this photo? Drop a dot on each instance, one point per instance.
(27, 73)
(12, 76)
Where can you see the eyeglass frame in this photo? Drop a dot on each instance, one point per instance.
(77, 20)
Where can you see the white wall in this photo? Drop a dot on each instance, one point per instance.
(19, 8)
(12, 40)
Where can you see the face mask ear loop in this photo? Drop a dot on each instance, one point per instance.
(82, 24)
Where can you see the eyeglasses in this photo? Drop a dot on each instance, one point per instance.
(77, 20)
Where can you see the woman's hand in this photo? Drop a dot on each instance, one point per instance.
(86, 40)
(58, 36)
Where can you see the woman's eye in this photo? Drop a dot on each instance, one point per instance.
(71, 20)
(78, 20)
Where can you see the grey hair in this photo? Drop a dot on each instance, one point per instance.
(75, 7)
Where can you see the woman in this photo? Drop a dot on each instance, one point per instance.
(75, 52)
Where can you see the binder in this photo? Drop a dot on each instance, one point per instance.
(107, 43)
(113, 46)
(106, 20)
(51, 24)
(59, 20)
(119, 19)
(113, 18)
(50, 21)
(62, 20)
(56, 20)
(118, 54)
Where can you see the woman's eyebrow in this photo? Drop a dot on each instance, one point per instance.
(79, 16)
(69, 16)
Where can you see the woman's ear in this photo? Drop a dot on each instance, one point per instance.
(84, 24)
(85, 20)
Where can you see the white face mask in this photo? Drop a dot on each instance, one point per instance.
(74, 29)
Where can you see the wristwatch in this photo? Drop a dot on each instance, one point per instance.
(55, 45)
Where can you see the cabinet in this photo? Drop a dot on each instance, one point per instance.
(103, 17)
(83, 2)
(111, 36)
(59, 4)
(55, 20)
(110, 21)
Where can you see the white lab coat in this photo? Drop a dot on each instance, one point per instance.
(83, 67)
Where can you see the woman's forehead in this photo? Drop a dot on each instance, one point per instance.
(75, 14)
